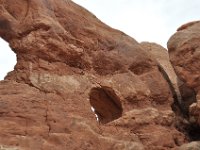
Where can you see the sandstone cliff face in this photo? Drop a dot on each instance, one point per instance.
(185, 53)
(69, 61)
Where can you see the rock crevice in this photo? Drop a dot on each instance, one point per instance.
(184, 54)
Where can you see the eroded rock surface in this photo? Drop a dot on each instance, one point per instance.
(190, 146)
(184, 50)
(69, 61)
(183, 95)
(162, 57)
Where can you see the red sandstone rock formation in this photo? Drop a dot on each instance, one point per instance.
(69, 61)
(184, 50)
(161, 55)
(183, 95)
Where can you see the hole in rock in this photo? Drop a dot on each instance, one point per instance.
(105, 104)
(7, 59)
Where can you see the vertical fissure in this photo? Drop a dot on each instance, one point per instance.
(180, 107)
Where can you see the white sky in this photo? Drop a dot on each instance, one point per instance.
(144, 20)
(7, 59)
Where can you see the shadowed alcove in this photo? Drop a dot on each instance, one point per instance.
(106, 104)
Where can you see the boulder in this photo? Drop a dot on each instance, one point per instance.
(184, 51)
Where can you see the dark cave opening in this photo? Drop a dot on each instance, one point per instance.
(193, 131)
(106, 104)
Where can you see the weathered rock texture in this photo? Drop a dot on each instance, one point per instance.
(182, 94)
(184, 50)
(160, 54)
(190, 146)
(67, 62)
